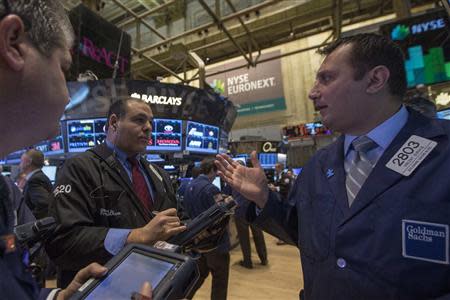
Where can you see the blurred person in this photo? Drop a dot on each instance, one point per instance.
(110, 195)
(38, 187)
(35, 38)
(242, 228)
(282, 185)
(199, 196)
(369, 221)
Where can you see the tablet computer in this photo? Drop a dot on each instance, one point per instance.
(171, 275)
(206, 220)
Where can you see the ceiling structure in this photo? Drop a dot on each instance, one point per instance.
(170, 37)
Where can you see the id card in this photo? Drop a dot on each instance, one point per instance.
(410, 155)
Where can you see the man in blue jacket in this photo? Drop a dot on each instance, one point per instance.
(200, 195)
(370, 213)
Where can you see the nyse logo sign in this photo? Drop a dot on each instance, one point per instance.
(401, 32)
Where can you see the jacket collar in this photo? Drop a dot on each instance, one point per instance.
(381, 178)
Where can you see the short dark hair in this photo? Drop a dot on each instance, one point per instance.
(370, 50)
(36, 157)
(48, 24)
(120, 108)
(207, 165)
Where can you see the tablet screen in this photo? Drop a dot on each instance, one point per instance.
(129, 276)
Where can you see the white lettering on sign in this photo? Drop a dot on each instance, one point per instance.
(427, 26)
(155, 99)
(241, 83)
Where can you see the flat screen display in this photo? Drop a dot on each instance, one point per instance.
(268, 160)
(202, 138)
(50, 172)
(14, 158)
(425, 40)
(166, 135)
(154, 158)
(51, 147)
(131, 274)
(443, 114)
(85, 134)
(216, 182)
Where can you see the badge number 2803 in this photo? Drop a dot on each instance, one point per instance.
(410, 155)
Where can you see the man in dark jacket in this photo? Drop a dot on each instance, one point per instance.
(38, 188)
(34, 36)
(110, 195)
(200, 195)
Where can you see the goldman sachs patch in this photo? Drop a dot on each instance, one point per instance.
(425, 241)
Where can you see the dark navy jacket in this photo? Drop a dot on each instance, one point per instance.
(198, 197)
(358, 252)
(15, 281)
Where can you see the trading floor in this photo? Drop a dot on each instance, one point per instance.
(281, 279)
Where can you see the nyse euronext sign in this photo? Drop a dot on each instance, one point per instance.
(401, 31)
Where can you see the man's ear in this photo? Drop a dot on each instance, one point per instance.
(12, 42)
(377, 79)
(113, 122)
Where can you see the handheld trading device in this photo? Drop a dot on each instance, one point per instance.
(171, 275)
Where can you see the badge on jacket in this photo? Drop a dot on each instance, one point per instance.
(425, 241)
(410, 155)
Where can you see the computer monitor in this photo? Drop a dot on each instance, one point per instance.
(85, 134)
(166, 135)
(202, 138)
(50, 172)
(217, 183)
(443, 114)
(268, 160)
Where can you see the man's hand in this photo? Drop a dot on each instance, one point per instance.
(164, 225)
(93, 270)
(249, 182)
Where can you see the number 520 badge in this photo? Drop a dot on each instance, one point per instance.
(410, 155)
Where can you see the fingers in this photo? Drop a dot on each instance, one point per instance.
(93, 270)
(146, 290)
(175, 230)
(168, 212)
(254, 159)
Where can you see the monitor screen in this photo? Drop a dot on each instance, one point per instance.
(50, 172)
(443, 114)
(85, 134)
(51, 147)
(268, 160)
(297, 171)
(425, 40)
(131, 273)
(166, 135)
(240, 159)
(154, 157)
(216, 182)
(14, 158)
(202, 138)
(2, 161)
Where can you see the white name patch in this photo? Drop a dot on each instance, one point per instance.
(410, 155)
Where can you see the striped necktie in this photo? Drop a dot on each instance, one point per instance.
(358, 168)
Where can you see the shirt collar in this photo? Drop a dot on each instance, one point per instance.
(122, 156)
(384, 133)
(31, 174)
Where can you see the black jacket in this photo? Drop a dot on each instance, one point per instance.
(92, 194)
(37, 192)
